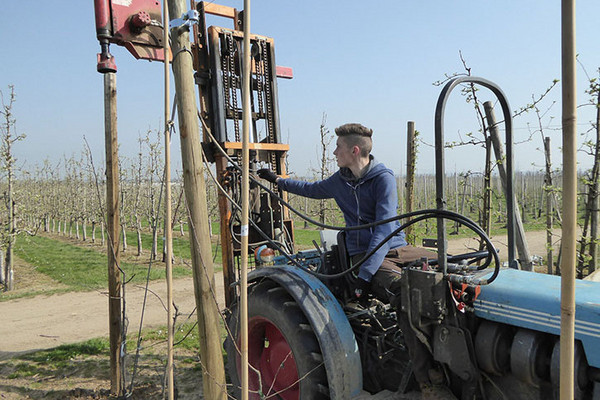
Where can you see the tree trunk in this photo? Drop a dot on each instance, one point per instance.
(139, 236)
(549, 212)
(306, 212)
(11, 233)
(8, 269)
(103, 233)
(93, 231)
(124, 238)
(2, 271)
(154, 250)
(84, 230)
(77, 229)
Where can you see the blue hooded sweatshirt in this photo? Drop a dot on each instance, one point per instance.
(373, 197)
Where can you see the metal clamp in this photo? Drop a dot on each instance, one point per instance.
(187, 19)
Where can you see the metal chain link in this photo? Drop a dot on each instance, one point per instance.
(234, 85)
(259, 76)
(226, 85)
(269, 100)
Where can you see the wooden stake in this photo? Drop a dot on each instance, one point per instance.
(168, 227)
(569, 225)
(209, 320)
(522, 248)
(112, 224)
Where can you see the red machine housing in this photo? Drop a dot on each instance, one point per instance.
(134, 24)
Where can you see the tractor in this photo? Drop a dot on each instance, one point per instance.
(494, 329)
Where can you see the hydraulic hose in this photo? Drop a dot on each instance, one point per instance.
(420, 216)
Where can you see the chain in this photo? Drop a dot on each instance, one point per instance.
(268, 100)
(226, 83)
(234, 85)
(259, 77)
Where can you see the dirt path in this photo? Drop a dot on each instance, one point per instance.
(44, 322)
(47, 321)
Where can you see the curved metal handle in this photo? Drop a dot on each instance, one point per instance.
(440, 168)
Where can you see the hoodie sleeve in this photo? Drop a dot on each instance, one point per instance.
(386, 207)
(314, 190)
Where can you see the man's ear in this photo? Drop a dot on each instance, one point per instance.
(355, 150)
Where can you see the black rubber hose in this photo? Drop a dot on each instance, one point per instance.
(423, 214)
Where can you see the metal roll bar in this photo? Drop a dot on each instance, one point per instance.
(440, 167)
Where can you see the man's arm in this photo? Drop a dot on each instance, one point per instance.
(314, 190)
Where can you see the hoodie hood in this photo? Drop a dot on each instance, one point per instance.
(373, 169)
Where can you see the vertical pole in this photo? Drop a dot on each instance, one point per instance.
(410, 171)
(569, 225)
(245, 194)
(168, 226)
(112, 224)
(213, 376)
(522, 248)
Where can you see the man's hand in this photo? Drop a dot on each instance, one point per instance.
(361, 288)
(267, 174)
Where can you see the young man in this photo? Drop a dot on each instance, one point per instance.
(366, 192)
(364, 189)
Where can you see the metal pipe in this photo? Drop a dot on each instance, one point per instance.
(245, 197)
(441, 172)
(569, 225)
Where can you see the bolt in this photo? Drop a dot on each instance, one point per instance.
(444, 334)
(141, 20)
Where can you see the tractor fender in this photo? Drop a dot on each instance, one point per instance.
(329, 322)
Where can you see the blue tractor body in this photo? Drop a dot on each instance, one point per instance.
(532, 300)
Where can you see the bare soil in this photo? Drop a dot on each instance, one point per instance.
(44, 322)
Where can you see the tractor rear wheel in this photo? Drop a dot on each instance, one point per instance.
(283, 352)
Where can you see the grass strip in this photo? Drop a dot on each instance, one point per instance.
(78, 267)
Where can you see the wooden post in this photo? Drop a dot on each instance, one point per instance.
(209, 320)
(112, 225)
(569, 225)
(522, 249)
(410, 172)
(168, 225)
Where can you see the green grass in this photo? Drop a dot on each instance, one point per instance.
(181, 245)
(78, 267)
(11, 295)
(67, 352)
(304, 237)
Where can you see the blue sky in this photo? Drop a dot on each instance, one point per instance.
(356, 61)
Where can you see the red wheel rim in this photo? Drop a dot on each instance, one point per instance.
(270, 353)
